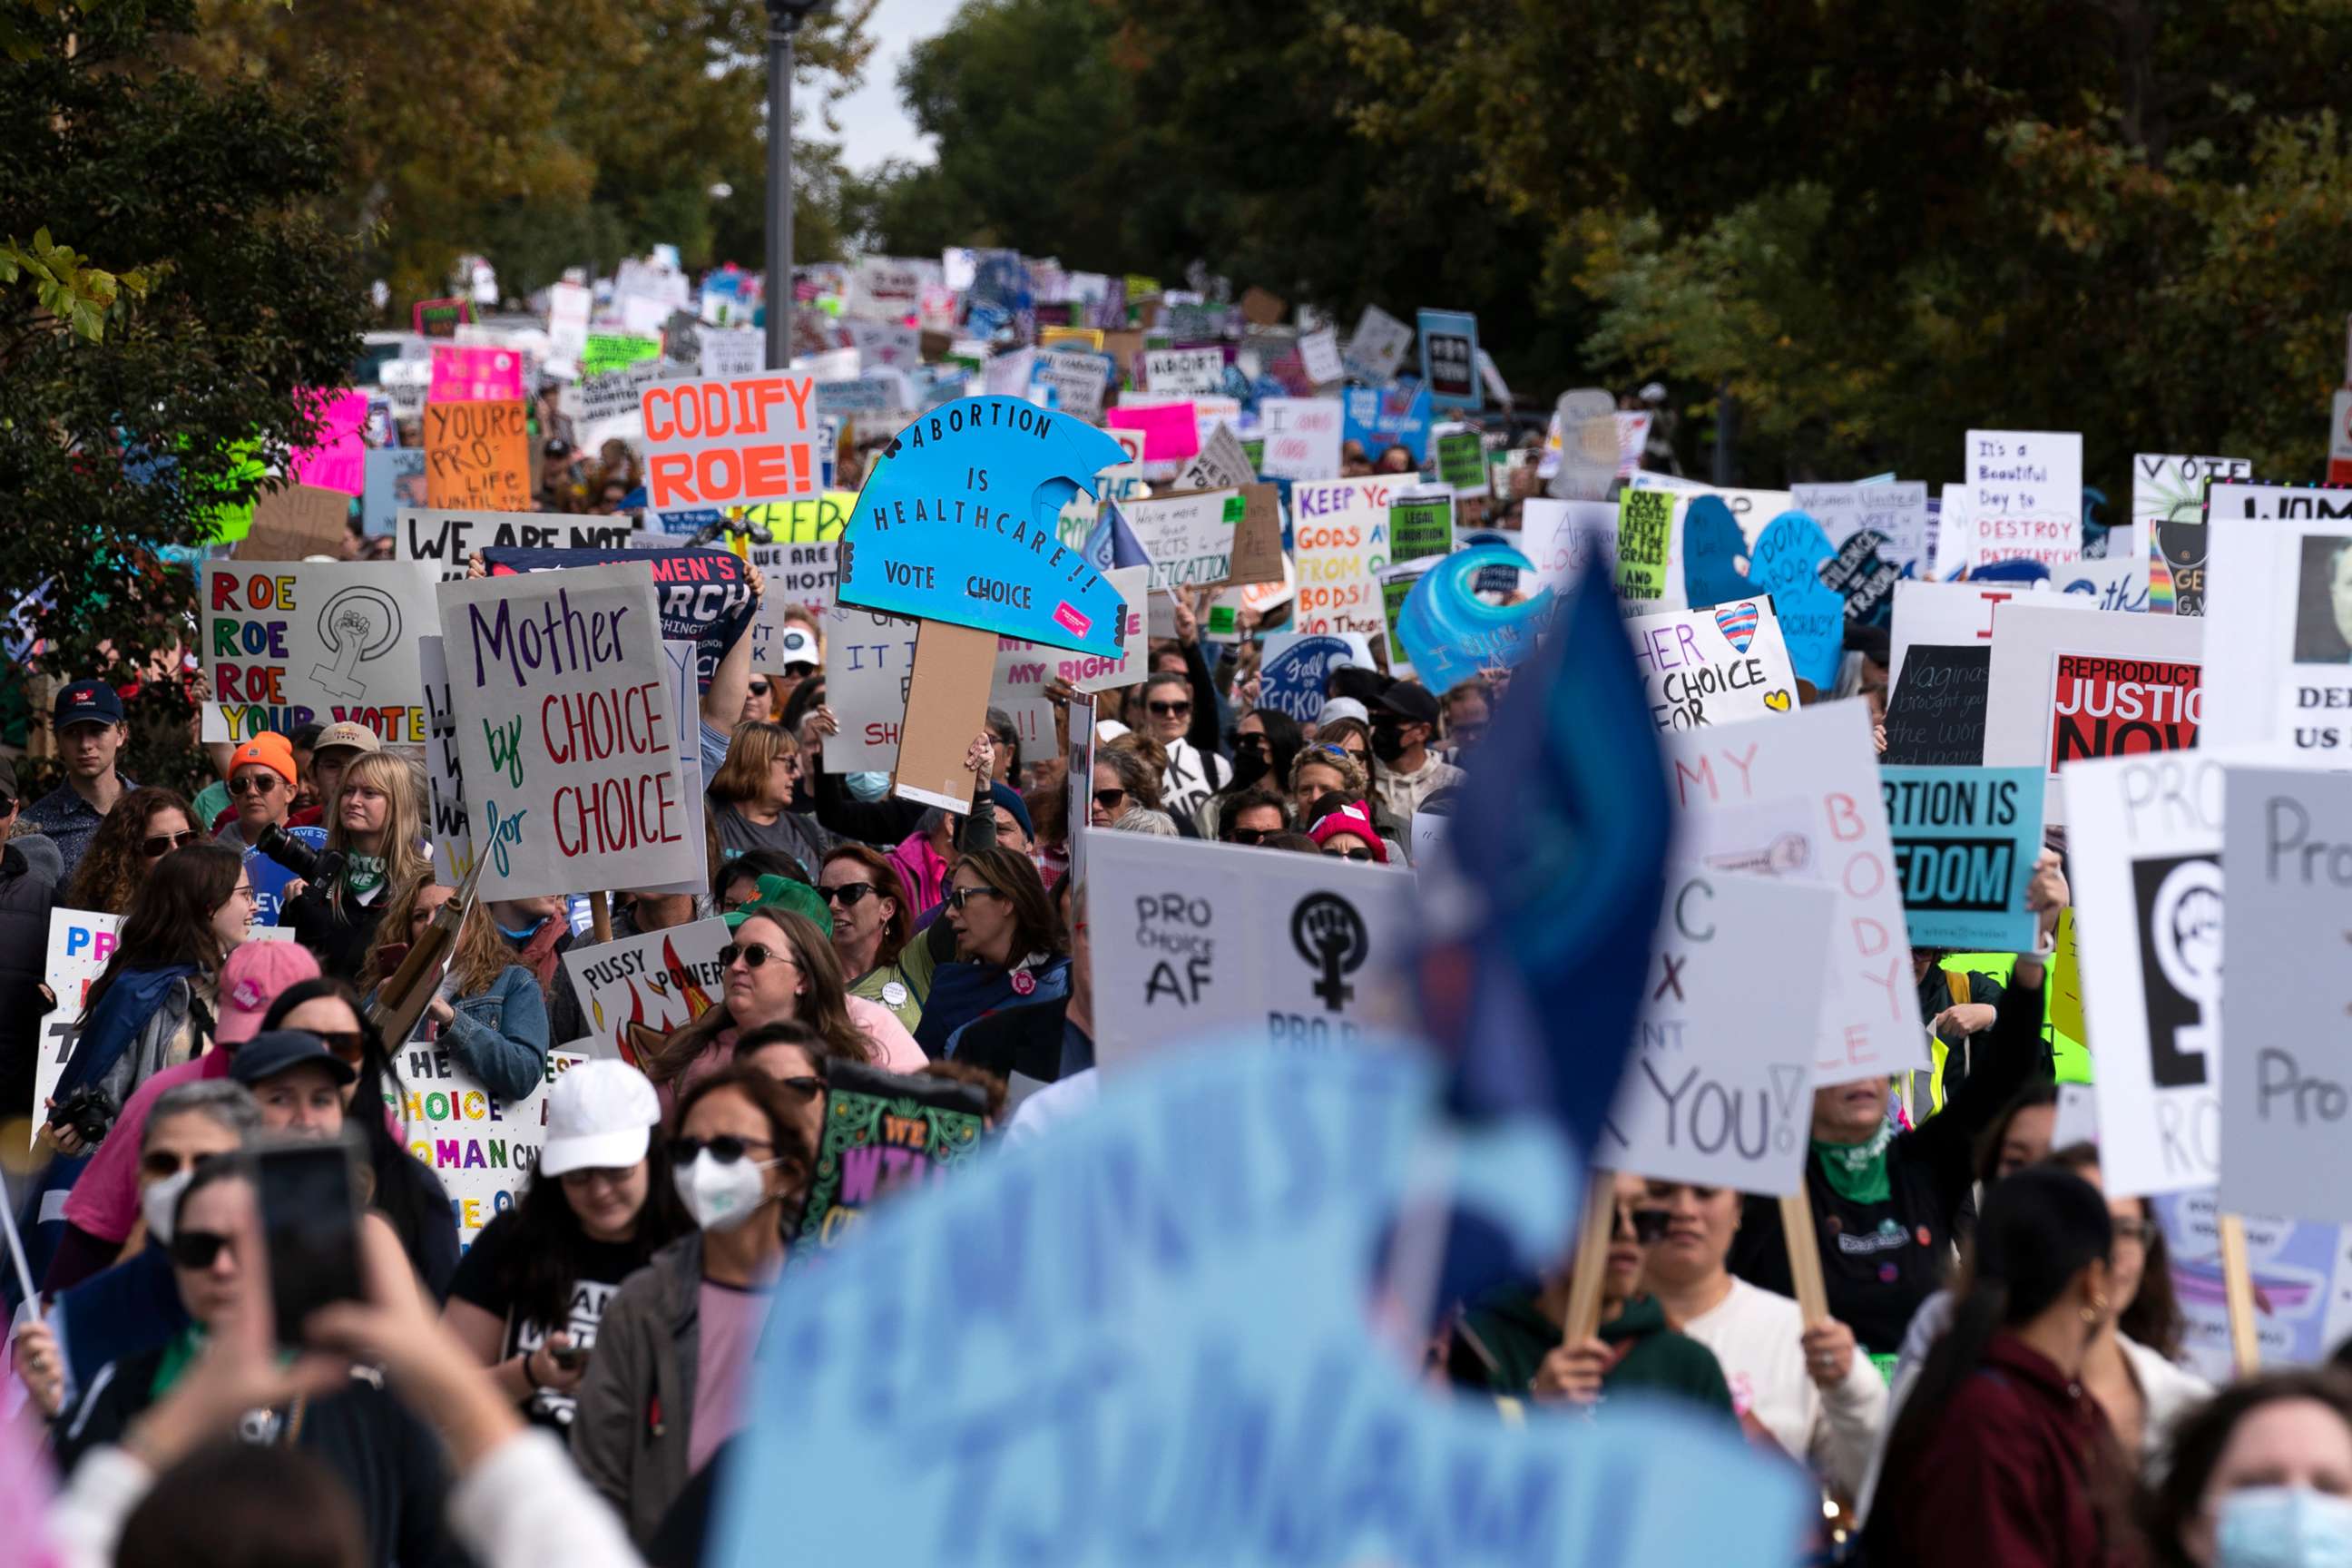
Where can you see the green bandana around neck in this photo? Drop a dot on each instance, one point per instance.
(363, 874)
(1857, 1171)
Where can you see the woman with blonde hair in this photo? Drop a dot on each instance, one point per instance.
(751, 795)
(489, 1012)
(376, 823)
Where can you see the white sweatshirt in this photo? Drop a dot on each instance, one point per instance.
(1756, 1335)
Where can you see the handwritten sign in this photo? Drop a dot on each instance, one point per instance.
(288, 643)
(1184, 371)
(2024, 497)
(1189, 538)
(2167, 523)
(2144, 846)
(1565, 539)
(1645, 551)
(2068, 686)
(567, 729)
(1936, 717)
(482, 1148)
(731, 441)
(471, 374)
(1797, 798)
(81, 942)
(957, 523)
(869, 657)
(1965, 844)
(443, 538)
(1713, 667)
(444, 782)
(1296, 666)
(1302, 438)
(478, 455)
(1078, 380)
(1953, 614)
(1377, 345)
(705, 596)
(1719, 1091)
(636, 990)
(1319, 355)
(1339, 537)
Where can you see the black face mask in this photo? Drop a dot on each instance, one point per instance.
(1251, 762)
(1387, 741)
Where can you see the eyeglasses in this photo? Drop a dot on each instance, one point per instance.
(956, 898)
(1169, 709)
(346, 1045)
(195, 1249)
(266, 785)
(1357, 854)
(2143, 1231)
(725, 1148)
(158, 845)
(160, 1164)
(1645, 1225)
(849, 895)
(1109, 799)
(753, 954)
(1250, 835)
(759, 689)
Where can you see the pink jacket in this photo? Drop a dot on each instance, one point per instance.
(923, 871)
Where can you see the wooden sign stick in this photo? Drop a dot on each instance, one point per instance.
(600, 916)
(2238, 1291)
(1591, 1270)
(947, 706)
(1804, 1257)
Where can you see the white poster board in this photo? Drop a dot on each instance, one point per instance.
(2144, 862)
(1953, 614)
(2066, 686)
(568, 730)
(1567, 539)
(2167, 497)
(443, 538)
(1302, 438)
(1377, 345)
(1339, 539)
(1319, 355)
(2278, 610)
(1091, 673)
(1721, 665)
(869, 657)
(649, 983)
(1184, 372)
(1189, 538)
(482, 1148)
(1797, 798)
(2024, 497)
(1719, 1091)
(452, 829)
(1193, 942)
(291, 643)
(2286, 1085)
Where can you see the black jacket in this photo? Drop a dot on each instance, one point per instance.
(1880, 1260)
(338, 935)
(31, 868)
(392, 1462)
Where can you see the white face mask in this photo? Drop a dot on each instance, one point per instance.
(2283, 1527)
(719, 1194)
(160, 1204)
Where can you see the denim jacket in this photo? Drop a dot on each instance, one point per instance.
(500, 1037)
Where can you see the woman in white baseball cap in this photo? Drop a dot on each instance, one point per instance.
(529, 1293)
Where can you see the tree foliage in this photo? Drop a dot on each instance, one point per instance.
(170, 286)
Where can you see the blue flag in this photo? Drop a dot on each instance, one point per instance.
(1546, 888)
(1113, 544)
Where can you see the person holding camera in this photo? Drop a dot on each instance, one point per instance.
(261, 779)
(376, 825)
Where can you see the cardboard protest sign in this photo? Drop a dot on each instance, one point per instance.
(1713, 667)
(1421, 524)
(404, 383)
(869, 659)
(1318, 354)
(1719, 1091)
(567, 729)
(1078, 382)
(1952, 615)
(956, 524)
(1449, 358)
(288, 643)
(295, 523)
(1644, 546)
(798, 576)
(444, 538)
(2143, 846)
(453, 828)
(1184, 371)
(1964, 843)
(1302, 438)
(2115, 583)
(2287, 1079)
(1936, 717)
(1377, 345)
(636, 990)
(1171, 431)
(1091, 672)
(616, 398)
(2301, 1273)
(608, 352)
(478, 455)
(728, 354)
(482, 1148)
(2167, 523)
(1895, 514)
(1339, 538)
(473, 373)
(1220, 464)
(1567, 539)
(338, 460)
(1192, 939)
(396, 479)
(2024, 497)
(1190, 537)
(2067, 686)
(731, 441)
(884, 1134)
(2279, 642)
(1294, 668)
(1462, 462)
(1797, 797)
(808, 521)
(704, 596)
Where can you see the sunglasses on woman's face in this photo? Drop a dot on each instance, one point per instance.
(1357, 854)
(1169, 709)
(725, 1148)
(158, 845)
(1250, 836)
(1645, 1225)
(1109, 799)
(158, 1164)
(759, 689)
(753, 954)
(345, 1044)
(195, 1249)
(849, 895)
(957, 898)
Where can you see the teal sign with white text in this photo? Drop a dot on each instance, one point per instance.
(956, 523)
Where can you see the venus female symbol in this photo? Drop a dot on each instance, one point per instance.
(357, 624)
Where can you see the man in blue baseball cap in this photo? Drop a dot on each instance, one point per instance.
(88, 723)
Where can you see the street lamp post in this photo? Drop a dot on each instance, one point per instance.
(785, 19)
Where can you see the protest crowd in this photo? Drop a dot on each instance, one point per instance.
(669, 813)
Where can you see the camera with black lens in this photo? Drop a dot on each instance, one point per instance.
(319, 866)
(89, 1110)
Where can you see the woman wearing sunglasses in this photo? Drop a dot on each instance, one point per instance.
(489, 1012)
(354, 1070)
(377, 824)
(532, 1288)
(144, 825)
(1009, 949)
(871, 926)
(669, 1380)
(1511, 1345)
(391, 1462)
(153, 1004)
(1265, 740)
(134, 1307)
(1127, 783)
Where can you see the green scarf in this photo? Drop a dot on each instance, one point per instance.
(179, 1352)
(1857, 1171)
(362, 874)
